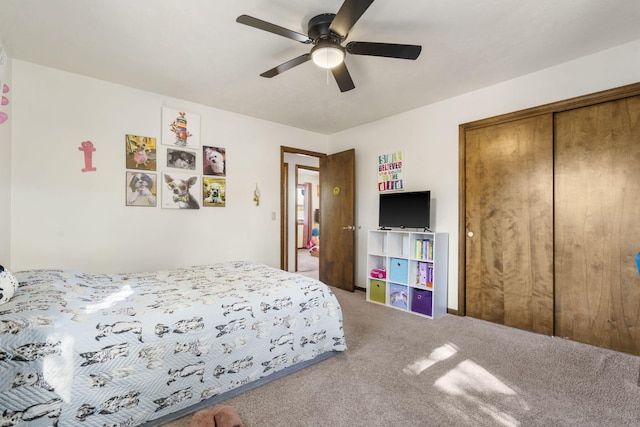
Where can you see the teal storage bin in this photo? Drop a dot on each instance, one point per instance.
(399, 270)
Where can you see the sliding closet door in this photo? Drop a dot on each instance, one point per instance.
(509, 223)
(597, 224)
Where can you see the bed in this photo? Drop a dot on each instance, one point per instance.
(145, 348)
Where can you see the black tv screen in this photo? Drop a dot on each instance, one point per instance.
(405, 209)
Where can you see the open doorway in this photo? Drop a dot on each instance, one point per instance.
(337, 260)
(300, 215)
(307, 221)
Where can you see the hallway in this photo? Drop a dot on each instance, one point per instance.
(307, 264)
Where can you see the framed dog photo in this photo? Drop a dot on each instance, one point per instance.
(214, 191)
(141, 189)
(214, 161)
(141, 152)
(180, 129)
(181, 191)
(181, 159)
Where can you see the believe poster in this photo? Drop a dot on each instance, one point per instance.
(390, 172)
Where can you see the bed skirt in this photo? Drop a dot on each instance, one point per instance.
(240, 390)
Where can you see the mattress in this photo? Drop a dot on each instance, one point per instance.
(126, 349)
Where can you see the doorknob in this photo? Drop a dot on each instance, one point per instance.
(470, 234)
(349, 227)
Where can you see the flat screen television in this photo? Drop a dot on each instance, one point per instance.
(405, 210)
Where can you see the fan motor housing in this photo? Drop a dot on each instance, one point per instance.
(319, 27)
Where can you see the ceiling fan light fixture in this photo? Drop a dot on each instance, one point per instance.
(327, 54)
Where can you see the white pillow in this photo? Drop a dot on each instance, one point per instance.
(8, 285)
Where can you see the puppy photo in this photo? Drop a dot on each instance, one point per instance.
(141, 189)
(180, 191)
(181, 159)
(214, 161)
(141, 152)
(213, 191)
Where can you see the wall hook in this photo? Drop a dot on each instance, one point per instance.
(256, 195)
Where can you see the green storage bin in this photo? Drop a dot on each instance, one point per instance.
(378, 291)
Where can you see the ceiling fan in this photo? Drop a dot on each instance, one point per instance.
(326, 32)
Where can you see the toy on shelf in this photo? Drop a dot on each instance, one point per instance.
(379, 273)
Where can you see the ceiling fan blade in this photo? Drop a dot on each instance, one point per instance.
(348, 15)
(272, 28)
(388, 50)
(343, 78)
(286, 66)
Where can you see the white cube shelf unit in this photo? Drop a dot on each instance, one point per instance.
(407, 270)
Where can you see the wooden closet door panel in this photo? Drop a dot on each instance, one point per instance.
(597, 229)
(508, 199)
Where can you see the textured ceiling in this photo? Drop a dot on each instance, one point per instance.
(194, 49)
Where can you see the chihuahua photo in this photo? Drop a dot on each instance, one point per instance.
(178, 192)
(141, 152)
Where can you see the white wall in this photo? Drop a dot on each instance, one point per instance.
(5, 172)
(428, 136)
(64, 218)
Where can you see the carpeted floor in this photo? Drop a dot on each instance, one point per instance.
(308, 265)
(403, 370)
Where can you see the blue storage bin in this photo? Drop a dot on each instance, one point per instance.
(399, 270)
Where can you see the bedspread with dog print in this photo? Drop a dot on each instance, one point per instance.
(123, 349)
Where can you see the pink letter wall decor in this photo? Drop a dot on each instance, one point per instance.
(4, 116)
(87, 147)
